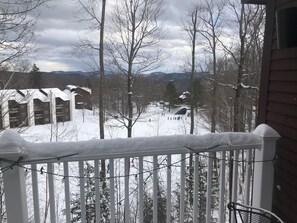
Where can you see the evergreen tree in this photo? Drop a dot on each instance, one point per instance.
(35, 77)
(197, 94)
(147, 207)
(89, 186)
(171, 94)
(148, 204)
(202, 173)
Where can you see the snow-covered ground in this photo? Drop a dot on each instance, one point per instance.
(153, 122)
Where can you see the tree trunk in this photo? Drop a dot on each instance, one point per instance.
(101, 91)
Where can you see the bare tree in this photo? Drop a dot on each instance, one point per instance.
(245, 51)
(91, 13)
(101, 62)
(211, 17)
(16, 28)
(191, 26)
(133, 47)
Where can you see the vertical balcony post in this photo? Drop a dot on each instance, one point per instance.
(13, 177)
(264, 169)
(15, 195)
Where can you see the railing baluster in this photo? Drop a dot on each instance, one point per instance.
(67, 192)
(196, 190)
(168, 193)
(112, 191)
(141, 192)
(235, 180)
(235, 176)
(155, 189)
(35, 193)
(127, 201)
(51, 189)
(209, 186)
(248, 174)
(182, 187)
(247, 181)
(82, 191)
(97, 191)
(222, 187)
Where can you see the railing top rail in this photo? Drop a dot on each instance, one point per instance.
(12, 143)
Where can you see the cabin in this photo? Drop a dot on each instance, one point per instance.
(60, 104)
(278, 99)
(18, 115)
(62, 110)
(83, 96)
(28, 107)
(41, 107)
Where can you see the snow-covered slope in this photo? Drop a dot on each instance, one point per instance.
(153, 122)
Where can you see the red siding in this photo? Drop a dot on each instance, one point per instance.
(278, 108)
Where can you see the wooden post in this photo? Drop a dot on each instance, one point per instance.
(13, 177)
(15, 195)
(264, 169)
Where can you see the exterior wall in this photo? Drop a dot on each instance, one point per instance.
(46, 112)
(31, 118)
(278, 108)
(52, 97)
(18, 115)
(41, 112)
(72, 103)
(5, 113)
(62, 110)
(83, 99)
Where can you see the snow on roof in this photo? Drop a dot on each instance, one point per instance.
(24, 95)
(57, 92)
(36, 94)
(182, 96)
(71, 87)
(74, 87)
(12, 94)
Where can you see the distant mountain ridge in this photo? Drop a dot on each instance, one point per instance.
(61, 79)
(163, 75)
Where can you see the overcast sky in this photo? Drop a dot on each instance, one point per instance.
(57, 31)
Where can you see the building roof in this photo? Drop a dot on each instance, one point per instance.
(57, 92)
(74, 87)
(24, 95)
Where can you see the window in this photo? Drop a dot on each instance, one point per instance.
(286, 28)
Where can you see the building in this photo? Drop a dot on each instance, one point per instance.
(278, 99)
(83, 96)
(28, 107)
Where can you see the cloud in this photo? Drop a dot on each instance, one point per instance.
(48, 65)
(57, 31)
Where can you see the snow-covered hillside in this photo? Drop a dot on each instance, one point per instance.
(85, 126)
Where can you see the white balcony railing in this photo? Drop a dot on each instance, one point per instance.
(136, 167)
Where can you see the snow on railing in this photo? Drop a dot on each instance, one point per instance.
(146, 178)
